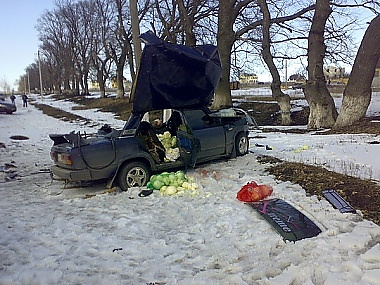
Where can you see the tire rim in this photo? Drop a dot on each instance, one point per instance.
(136, 177)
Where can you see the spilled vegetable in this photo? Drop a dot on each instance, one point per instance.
(173, 183)
(170, 144)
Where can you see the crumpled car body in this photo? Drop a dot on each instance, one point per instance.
(175, 84)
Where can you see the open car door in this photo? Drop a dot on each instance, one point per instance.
(188, 145)
(188, 148)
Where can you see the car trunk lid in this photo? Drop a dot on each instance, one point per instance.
(174, 76)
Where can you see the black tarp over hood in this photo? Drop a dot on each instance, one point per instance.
(175, 76)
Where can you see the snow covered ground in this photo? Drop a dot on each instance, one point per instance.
(52, 234)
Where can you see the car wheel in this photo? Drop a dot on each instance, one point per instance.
(241, 144)
(133, 174)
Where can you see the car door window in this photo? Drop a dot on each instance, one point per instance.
(210, 134)
(197, 119)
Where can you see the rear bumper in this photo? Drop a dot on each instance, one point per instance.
(71, 175)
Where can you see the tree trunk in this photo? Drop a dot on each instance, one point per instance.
(135, 31)
(102, 90)
(322, 107)
(77, 86)
(120, 59)
(66, 85)
(132, 69)
(357, 95)
(120, 81)
(282, 99)
(187, 19)
(223, 92)
(86, 91)
(102, 84)
(225, 38)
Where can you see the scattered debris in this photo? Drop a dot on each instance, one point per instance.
(112, 190)
(302, 148)
(9, 171)
(8, 166)
(338, 202)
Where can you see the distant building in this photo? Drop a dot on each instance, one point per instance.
(111, 83)
(248, 78)
(334, 74)
(94, 85)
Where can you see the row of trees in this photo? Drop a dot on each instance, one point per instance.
(96, 39)
(5, 86)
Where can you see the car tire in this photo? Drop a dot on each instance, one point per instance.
(133, 174)
(241, 144)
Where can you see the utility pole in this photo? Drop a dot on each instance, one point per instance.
(28, 83)
(24, 85)
(39, 70)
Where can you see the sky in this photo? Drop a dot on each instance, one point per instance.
(18, 35)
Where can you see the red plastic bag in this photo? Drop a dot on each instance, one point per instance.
(251, 192)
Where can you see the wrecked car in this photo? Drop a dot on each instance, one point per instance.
(7, 108)
(174, 85)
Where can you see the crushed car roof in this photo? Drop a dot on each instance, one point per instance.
(175, 76)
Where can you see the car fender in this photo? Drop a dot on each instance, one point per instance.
(233, 153)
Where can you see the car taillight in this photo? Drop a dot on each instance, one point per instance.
(64, 158)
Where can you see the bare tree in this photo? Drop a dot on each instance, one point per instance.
(78, 18)
(85, 35)
(357, 94)
(322, 107)
(122, 47)
(56, 47)
(5, 86)
(101, 57)
(135, 23)
(33, 77)
(167, 14)
(179, 21)
(187, 18)
(228, 12)
(69, 16)
(233, 12)
(282, 99)
(76, 37)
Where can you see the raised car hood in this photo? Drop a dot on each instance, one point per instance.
(175, 76)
